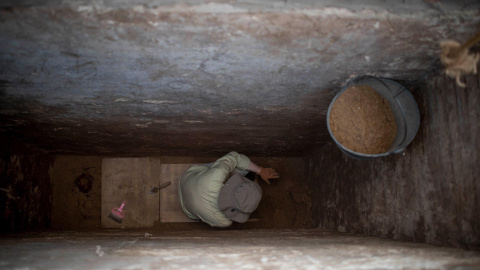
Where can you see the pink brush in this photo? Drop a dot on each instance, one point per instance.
(117, 214)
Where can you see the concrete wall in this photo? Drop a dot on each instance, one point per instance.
(428, 194)
(25, 186)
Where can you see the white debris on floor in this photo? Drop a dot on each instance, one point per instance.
(224, 249)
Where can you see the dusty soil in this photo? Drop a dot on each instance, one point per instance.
(362, 121)
(286, 203)
(76, 180)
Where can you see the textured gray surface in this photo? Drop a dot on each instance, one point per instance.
(198, 78)
(257, 249)
(428, 194)
(405, 6)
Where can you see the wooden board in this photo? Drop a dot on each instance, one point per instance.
(130, 180)
(170, 207)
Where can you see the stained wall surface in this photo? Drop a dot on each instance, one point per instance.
(76, 192)
(430, 193)
(163, 78)
(25, 186)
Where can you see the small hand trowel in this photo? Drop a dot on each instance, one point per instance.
(156, 189)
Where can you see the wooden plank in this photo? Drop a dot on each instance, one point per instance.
(170, 207)
(130, 180)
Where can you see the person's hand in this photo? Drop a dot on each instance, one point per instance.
(268, 173)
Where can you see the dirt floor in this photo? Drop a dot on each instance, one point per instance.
(76, 181)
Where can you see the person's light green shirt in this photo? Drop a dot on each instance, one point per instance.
(200, 185)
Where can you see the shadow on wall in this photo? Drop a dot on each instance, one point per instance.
(25, 186)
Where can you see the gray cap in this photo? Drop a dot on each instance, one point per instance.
(239, 197)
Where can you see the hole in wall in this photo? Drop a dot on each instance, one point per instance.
(84, 182)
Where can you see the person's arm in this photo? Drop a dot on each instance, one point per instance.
(265, 173)
(226, 164)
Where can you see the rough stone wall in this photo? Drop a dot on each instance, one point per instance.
(25, 186)
(429, 194)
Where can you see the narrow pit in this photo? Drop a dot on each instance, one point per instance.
(169, 85)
